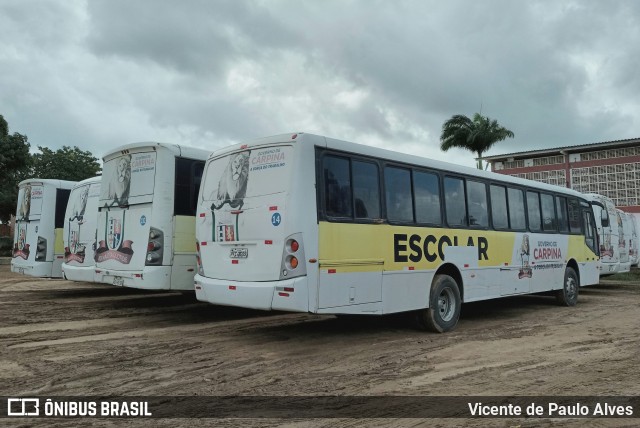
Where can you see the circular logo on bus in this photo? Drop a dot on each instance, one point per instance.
(276, 218)
(143, 220)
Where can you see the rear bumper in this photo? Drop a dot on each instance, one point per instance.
(149, 278)
(79, 273)
(287, 295)
(38, 269)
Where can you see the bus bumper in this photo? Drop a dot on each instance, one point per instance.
(150, 278)
(287, 295)
(37, 269)
(79, 273)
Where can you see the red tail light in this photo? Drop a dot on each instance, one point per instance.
(294, 245)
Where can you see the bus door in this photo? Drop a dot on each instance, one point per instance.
(589, 266)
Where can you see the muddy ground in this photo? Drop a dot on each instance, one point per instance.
(62, 338)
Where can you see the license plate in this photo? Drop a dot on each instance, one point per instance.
(239, 253)
(118, 280)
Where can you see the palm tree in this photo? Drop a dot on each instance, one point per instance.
(477, 135)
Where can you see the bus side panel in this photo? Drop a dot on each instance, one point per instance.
(184, 258)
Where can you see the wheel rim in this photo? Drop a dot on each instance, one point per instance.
(446, 304)
(570, 287)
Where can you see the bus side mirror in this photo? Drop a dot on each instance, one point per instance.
(604, 218)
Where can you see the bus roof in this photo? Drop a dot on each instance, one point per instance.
(176, 149)
(60, 184)
(348, 147)
(86, 181)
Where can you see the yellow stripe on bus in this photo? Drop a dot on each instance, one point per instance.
(58, 242)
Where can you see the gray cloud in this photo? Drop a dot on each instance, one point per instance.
(98, 74)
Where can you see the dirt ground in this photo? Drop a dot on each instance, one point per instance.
(62, 338)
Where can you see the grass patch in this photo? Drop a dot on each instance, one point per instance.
(634, 275)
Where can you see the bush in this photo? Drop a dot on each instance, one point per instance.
(5, 246)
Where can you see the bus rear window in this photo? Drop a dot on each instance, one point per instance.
(129, 179)
(235, 179)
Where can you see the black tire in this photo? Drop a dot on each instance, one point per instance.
(568, 294)
(444, 306)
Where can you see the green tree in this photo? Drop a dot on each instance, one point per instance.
(477, 135)
(64, 164)
(14, 161)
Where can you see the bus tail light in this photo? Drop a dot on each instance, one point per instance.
(292, 253)
(155, 247)
(41, 250)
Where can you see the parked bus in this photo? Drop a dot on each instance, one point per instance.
(80, 222)
(614, 255)
(305, 223)
(38, 249)
(146, 223)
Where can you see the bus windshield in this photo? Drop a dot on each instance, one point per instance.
(129, 179)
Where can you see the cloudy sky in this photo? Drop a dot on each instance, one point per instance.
(100, 73)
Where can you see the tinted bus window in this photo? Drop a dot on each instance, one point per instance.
(516, 209)
(454, 201)
(499, 207)
(561, 209)
(337, 187)
(398, 196)
(573, 207)
(187, 185)
(62, 198)
(426, 189)
(548, 212)
(366, 190)
(477, 203)
(533, 211)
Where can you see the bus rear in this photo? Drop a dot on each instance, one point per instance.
(79, 235)
(130, 232)
(252, 211)
(38, 244)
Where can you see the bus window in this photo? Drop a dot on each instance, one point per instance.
(366, 189)
(454, 201)
(589, 229)
(187, 184)
(575, 225)
(533, 211)
(398, 196)
(62, 198)
(561, 209)
(516, 209)
(426, 188)
(337, 187)
(499, 207)
(477, 203)
(548, 212)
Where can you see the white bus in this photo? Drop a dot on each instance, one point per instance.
(146, 223)
(305, 223)
(80, 222)
(38, 249)
(614, 255)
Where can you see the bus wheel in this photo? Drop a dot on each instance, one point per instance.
(568, 295)
(444, 306)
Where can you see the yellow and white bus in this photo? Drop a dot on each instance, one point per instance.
(79, 236)
(146, 217)
(38, 248)
(301, 222)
